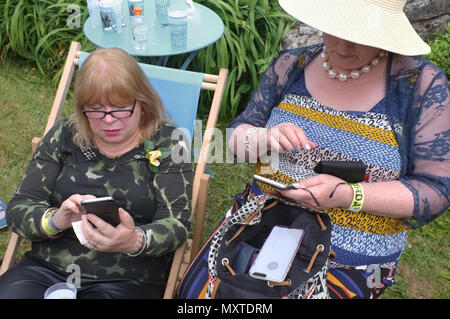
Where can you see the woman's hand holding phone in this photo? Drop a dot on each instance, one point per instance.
(321, 192)
(107, 238)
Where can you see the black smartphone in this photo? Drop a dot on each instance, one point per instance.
(107, 208)
(273, 183)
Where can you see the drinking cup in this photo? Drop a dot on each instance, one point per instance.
(177, 18)
(161, 7)
(62, 290)
(108, 15)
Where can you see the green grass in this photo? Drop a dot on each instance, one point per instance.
(228, 181)
(424, 270)
(25, 101)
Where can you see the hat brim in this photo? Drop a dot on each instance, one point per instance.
(360, 22)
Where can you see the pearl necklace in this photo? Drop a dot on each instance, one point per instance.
(326, 66)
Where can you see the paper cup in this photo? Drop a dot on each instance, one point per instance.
(161, 7)
(108, 15)
(62, 290)
(177, 18)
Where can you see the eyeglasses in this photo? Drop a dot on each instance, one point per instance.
(117, 114)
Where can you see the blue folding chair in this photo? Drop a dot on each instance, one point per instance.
(182, 108)
(2, 215)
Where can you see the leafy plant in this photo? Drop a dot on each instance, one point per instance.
(40, 30)
(440, 50)
(252, 38)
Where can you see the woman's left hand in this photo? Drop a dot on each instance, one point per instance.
(107, 238)
(321, 192)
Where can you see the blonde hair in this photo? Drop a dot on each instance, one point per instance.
(114, 75)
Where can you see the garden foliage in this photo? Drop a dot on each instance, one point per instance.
(41, 32)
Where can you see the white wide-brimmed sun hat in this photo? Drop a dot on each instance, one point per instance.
(377, 23)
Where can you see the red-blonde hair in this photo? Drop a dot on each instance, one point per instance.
(113, 75)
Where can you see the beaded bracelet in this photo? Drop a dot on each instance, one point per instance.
(142, 243)
(358, 198)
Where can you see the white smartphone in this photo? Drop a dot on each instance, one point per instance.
(277, 254)
(273, 183)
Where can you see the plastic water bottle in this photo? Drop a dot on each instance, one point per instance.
(196, 17)
(135, 4)
(117, 9)
(139, 30)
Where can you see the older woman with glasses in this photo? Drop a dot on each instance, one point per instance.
(117, 143)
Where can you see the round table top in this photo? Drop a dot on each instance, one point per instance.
(204, 28)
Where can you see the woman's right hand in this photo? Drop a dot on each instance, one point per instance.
(70, 211)
(287, 136)
(249, 142)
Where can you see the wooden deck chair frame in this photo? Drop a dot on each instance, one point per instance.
(189, 249)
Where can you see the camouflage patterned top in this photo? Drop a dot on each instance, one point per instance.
(158, 202)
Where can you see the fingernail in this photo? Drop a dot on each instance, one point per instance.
(299, 148)
(294, 151)
(307, 146)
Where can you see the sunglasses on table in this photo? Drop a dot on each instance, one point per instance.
(117, 114)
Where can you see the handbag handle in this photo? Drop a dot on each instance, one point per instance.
(248, 220)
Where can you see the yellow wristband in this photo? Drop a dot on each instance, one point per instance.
(45, 222)
(358, 198)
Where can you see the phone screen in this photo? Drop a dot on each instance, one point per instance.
(277, 253)
(107, 208)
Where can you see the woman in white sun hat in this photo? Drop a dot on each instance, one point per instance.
(363, 95)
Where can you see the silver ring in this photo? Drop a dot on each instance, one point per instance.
(93, 245)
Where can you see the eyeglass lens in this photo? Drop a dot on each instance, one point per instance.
(102, 114)
(117, 114)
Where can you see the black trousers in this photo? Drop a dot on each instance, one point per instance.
(30, 278)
